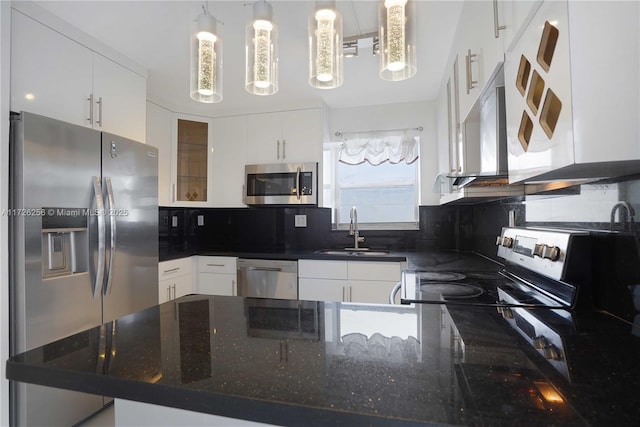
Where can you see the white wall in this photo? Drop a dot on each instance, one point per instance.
(5, 51)
(397, 116)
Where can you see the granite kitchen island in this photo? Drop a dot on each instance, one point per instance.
(322, 363)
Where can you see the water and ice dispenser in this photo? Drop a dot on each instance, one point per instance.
(64, 242)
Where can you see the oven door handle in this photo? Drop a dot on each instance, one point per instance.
(298, 184)
(394, 292)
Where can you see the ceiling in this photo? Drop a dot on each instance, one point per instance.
(155, 34)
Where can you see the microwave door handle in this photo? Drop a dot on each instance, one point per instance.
(112, 222)
(97, 286)
(298, 184)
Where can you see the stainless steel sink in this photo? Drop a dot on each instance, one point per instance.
(370, 253)
(352, 252)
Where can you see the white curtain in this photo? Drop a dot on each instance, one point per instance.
(377, 149)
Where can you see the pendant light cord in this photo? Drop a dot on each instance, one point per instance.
(355, 17)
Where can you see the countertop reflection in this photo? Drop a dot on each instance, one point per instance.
(324, 363)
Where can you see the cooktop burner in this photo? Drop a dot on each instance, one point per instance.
(443, 276)
(542, 268)
(451, 289)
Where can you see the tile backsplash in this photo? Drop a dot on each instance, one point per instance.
(614, 264)
(459, 227)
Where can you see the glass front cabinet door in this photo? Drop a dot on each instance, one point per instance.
(191, 160)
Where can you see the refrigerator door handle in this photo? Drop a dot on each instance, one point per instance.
(97, 286)
(112, 222)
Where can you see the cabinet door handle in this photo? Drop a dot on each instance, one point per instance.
(278, 150)
(168, 293)
(496, 21)
(90, 119)
(171, 270)
(284, 148)
(343, 300)
(174, 291)
(234, 291)
(173, 193)
(215, 265)
(470, 58)
(350, 293)
(99, 121)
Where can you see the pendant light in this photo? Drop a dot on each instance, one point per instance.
(325, 46)
(397, 40)
(261, 48)
(206, 59)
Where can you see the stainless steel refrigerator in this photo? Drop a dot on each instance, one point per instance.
(83, 245)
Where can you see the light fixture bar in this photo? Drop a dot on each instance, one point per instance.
(351, 45)
(350, 48)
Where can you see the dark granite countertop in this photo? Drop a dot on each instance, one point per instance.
(416, 260)
(347, 364)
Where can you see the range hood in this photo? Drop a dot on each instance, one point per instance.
(484, 132)
(485, 172)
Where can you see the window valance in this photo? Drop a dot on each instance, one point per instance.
(377, 149)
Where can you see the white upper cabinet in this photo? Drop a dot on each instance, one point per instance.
(55, 79)
(512, 17)
(229, 158)
(121, 99)
(479, 50)
(572, 92)
(288, 136)
(55, 76)
(486, 28)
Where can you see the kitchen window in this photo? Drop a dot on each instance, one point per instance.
(384, 188)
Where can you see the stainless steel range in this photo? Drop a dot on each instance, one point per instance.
(545, 281)
(542, 268)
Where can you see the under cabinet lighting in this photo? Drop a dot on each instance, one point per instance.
(261, 46)
(325, 47)
(206, 60)
(397, 39)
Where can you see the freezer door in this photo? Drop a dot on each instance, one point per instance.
(52, 268)
(130, 191)
(53, 167)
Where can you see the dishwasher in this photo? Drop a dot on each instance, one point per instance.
(266, 278)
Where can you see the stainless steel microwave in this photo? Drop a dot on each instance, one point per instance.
(281, 184)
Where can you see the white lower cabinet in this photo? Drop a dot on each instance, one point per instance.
(174, 279)
(217, 275)
(348, 281)
(131, 413)
(322, 289)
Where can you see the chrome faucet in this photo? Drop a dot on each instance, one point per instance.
(626, 216)
(353, 228)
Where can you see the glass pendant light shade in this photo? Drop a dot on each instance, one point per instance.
(206, 60)
(261, 48)
(397, 31)
(325, 46)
